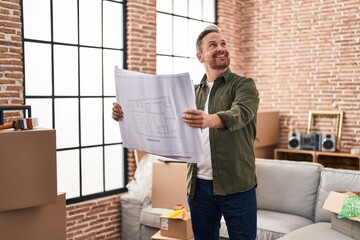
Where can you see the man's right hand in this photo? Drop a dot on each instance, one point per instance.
(117, 113)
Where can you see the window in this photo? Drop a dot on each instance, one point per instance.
(178, 24)
(71, 48)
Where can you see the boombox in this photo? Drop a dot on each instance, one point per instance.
(310, 141)
(313, 141)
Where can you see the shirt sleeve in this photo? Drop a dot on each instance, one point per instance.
(243, 108)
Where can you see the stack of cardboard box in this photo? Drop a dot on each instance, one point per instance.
(30, 207)
(168, 191)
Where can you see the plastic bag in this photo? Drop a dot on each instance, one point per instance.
(140, 187)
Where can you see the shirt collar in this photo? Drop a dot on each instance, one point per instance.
(224, 76)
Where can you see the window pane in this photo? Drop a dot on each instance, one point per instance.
(37, 19)
(42, 110)
(164, 65)
(181, 36)
(112, 58)
(164, 6)
(65, 21)
(114, 167)
(196, 70)
(113, 22)
(90, 72)
(37, 69)
(195, 9)
(195, 27)
(111, 127)
(90, 22)
(209, 10)
(68, 174)
(180, 7)
(92, 170)
(69, 83)
(164, 34)
(67, 122)
(91, 121)
(66, 70)
(180, 65)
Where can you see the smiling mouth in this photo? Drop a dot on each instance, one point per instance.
(221, 55)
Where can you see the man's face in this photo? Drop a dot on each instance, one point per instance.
(214, 52)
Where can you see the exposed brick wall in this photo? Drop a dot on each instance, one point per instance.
(303, 55)
(141, 33)
(11, 66)
(95, 219)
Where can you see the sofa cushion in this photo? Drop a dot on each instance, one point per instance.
(287, 186)
(334, 180)
(316, 231)
(272, 225)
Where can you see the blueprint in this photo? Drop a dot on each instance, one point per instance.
(152, 107)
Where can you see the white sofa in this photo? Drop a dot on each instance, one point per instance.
(290, 196)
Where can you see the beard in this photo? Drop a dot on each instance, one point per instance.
(219, 63)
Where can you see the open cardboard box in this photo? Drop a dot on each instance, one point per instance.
(348, 226)
(176, 228)
(335, 201)
(176, 223)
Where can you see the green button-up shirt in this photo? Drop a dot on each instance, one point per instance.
(235, 100)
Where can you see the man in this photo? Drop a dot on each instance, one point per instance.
(223, 182)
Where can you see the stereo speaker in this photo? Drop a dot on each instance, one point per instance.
(328, 142)
(293, 140)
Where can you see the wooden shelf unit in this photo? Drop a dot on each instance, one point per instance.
(328, 159)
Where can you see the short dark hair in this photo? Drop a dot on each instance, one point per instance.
(209, 29)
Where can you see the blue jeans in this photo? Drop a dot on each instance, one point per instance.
(239, 210)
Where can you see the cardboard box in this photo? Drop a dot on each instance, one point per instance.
(335, 201)
(176, 228)
(157, 236)
(169, 185)
(265, 152)
(27, 168)
(267, 129)
(346, 226)
(40, 223)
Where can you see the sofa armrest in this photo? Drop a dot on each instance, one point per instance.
(130, 217)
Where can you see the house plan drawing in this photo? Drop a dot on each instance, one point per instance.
(153, 106)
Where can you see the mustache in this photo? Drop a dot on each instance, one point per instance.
(221, 52)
